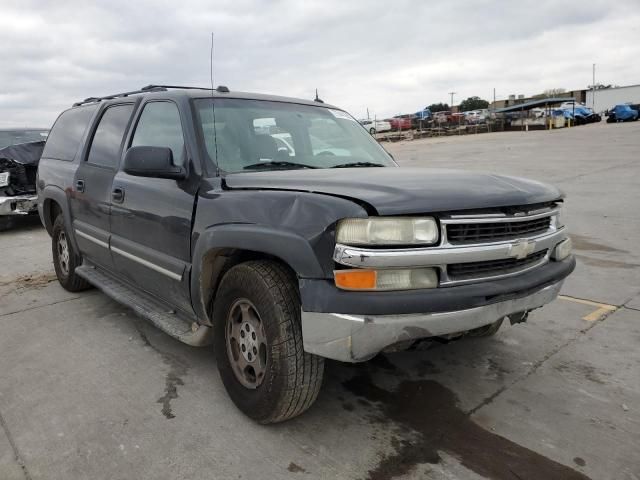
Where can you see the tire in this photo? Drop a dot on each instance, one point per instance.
(487, 330)
(279, 381)
(372, 131)
(611, 119)
(66, 259)
(5, 223)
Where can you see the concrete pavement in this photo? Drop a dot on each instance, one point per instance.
(88, 390)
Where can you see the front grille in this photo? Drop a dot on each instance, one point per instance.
(460, 233)
(472, 270)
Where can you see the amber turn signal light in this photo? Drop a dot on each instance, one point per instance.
(355, 279)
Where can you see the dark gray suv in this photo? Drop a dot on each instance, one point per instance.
(279, 231)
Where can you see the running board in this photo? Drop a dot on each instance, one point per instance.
(148, 308)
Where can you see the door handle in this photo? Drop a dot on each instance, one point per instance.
(80, 185)
(117, 195)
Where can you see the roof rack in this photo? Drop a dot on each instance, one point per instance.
(219, 88)
(147, 89)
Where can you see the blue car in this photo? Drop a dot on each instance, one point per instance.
(424, 114)
(622, 113)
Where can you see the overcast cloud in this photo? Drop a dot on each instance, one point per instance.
(389, 56)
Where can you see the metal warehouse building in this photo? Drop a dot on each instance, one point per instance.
(609, 97)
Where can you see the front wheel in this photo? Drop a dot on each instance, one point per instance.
(66, 259)
(372, 131)
(258, 343)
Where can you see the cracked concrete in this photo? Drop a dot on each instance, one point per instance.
(87, 388)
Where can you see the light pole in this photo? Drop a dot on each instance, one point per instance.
(593, 89)
(451, 105)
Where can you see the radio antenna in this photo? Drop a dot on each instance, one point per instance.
(213, 110)
(211, 64)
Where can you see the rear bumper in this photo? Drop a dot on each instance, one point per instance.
(354, 338)
(18, 205)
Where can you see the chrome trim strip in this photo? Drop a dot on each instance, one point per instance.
(505, 219)
(95, 240)
(548, 210)
(438, 256)
(147, 264)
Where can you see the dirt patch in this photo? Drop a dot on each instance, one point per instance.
(581, 242)
(429, 409)
(35, 280)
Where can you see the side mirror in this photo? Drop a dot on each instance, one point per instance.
(154, 162)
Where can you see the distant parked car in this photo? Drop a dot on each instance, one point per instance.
(622, 113)
(375, 126)
(424, 114)
(579, 113)
(20, 151)
(442, 117)
(401, 122)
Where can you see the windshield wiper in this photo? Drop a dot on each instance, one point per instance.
(277, 164)
(358, 164)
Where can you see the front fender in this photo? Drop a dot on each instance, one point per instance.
(289, 247)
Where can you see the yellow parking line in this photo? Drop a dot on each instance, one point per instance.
(597, 314)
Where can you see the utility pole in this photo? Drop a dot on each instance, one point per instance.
(451, 105)
(593, 89)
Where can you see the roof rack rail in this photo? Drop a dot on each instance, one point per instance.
(219, 88)
(147, 89)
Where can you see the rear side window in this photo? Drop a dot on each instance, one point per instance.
(106, 143)
(65, 137)
(160, 126)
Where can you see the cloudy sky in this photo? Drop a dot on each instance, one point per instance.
(392, 56)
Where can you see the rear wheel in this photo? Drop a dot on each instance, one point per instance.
(65, 258)
(372, 131)
(258, 343)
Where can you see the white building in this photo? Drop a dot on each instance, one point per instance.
(609, 97)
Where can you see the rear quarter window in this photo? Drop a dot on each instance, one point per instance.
(65, 136)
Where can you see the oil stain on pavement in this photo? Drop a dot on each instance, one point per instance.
(177, 369)
(430, 410)
(582, 242)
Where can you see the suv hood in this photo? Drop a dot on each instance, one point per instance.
(396, 191)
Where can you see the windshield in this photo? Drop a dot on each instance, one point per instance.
(14, 137)
(250, 135)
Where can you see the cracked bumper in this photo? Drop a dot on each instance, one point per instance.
(355, 338)
(18, 205)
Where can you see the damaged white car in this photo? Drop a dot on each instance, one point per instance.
(20, 151)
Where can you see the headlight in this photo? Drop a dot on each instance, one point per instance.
(4, 179)
(387, 231)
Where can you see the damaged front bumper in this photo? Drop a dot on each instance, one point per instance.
(356, 338)
(18, 205)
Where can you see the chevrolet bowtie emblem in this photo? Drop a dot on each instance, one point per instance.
(522, 249)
